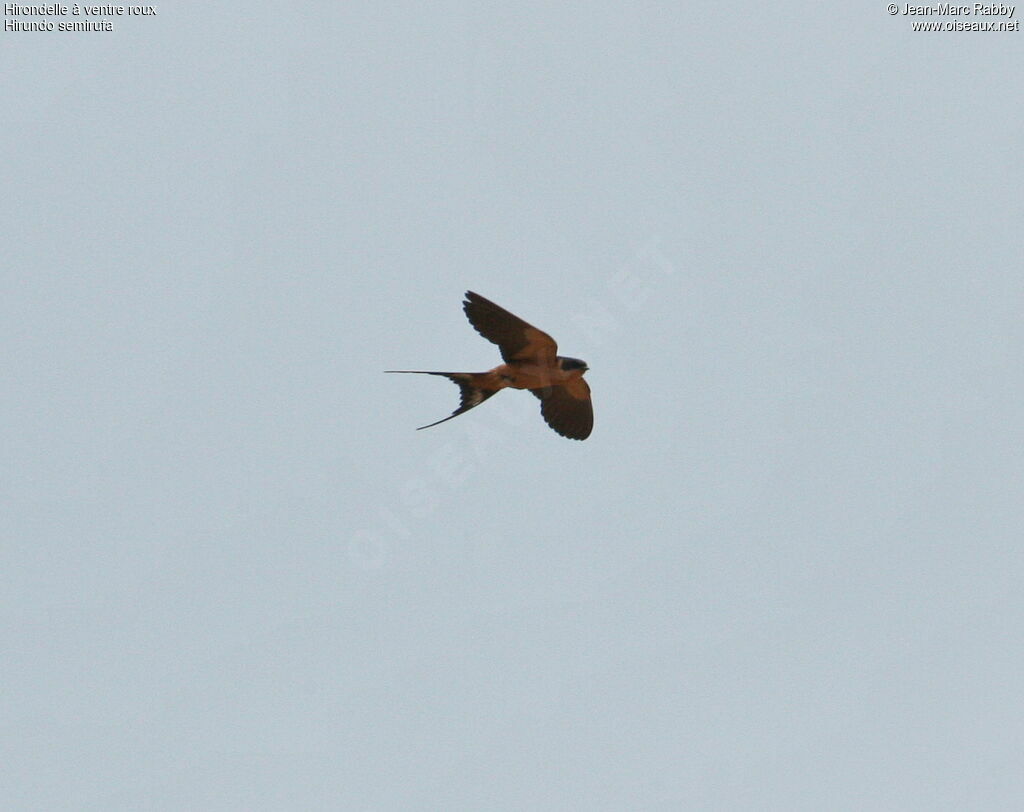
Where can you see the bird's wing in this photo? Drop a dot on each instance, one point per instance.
(567, 408)
(517, 340)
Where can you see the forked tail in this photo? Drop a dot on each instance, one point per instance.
(470, 394)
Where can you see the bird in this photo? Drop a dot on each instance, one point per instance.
(531, 362)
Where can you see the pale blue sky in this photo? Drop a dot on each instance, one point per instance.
(783, 573)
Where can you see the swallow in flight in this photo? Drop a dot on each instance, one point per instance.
(531, 362)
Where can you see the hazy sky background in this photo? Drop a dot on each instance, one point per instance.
(783, 573)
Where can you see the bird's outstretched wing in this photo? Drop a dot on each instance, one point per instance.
(517, 340)
(567, 408)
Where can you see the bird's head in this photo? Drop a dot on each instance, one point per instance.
(567, 364)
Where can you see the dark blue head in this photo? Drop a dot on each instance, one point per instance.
(567, 364)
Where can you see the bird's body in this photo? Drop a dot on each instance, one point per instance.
(531, 362)
(522, 375)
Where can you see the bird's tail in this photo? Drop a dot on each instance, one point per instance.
(472, 394)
